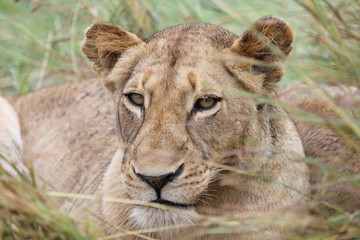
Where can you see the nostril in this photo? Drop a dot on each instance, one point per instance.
(158, 182)
(177, 173)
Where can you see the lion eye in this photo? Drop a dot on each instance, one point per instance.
(136, 99)
(206, 103)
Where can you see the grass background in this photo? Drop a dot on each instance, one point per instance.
(40, 40)
(40, 46)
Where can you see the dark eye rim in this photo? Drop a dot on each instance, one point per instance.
(198, 107)
(128, 96)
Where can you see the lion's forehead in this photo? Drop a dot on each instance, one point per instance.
(186, 48)
(168, 59)
(215, 33)
(167, 81)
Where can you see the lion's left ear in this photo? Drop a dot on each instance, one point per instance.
(267, 42)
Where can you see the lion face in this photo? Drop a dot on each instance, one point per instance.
(179, 116)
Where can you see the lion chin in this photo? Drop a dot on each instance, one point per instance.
(142, 217)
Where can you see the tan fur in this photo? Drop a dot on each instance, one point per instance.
(324, 142)
(69, 132)
(10, 139)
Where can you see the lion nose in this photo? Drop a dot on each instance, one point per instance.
(158, 182)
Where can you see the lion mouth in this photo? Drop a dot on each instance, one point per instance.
(172, 204)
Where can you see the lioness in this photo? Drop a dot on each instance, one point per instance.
(185, 111)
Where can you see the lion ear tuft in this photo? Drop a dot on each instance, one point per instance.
(104, 43)
(268, 42)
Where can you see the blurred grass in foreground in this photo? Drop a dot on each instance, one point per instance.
(40, 46)
(25, 213)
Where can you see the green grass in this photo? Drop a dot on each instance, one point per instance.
(40, 41)
(40, 46)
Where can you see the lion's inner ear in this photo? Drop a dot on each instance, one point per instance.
(104, 43)
(267, 42)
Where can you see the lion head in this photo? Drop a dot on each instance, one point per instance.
(186, 110)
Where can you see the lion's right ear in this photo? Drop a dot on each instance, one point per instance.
(104, 43)
(268, 42)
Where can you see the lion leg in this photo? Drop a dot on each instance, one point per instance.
(10, 139)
